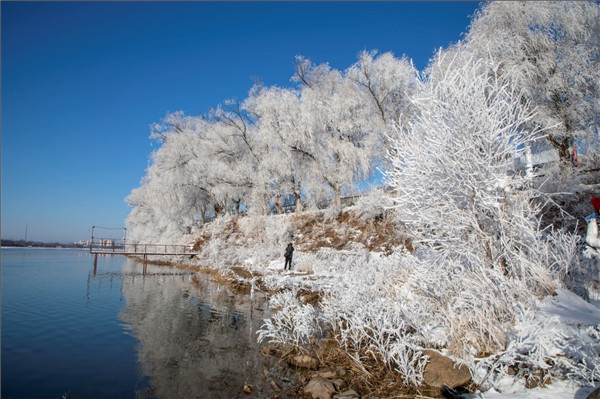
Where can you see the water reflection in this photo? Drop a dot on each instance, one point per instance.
(196, 339)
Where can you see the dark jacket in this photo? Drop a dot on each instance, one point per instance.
(289, 251)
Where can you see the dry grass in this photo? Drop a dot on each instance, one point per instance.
(312, 231)
(380, 234)
(371, 377)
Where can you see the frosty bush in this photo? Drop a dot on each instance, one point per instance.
(292, 323)
(372, 204)
(475, 215)
(455, 179)
(369, 316)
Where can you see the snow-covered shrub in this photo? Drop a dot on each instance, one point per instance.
(372, 204)
(458, 192)
(454, 177)
(530, 349)
(369, 318)
(292, 323)
(274, 230)
(582, 351)
(304, 262)
(541, 345)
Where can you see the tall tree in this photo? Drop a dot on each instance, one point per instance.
(386, 83)
(174, 188)
(340, 126)
(552, 51)
(236, 153)
(285, 134)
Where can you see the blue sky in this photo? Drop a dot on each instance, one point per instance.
(83, 81)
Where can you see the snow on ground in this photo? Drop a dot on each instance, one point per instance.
(574, 316)
(510, 389)
(570, 308)
(561, 332)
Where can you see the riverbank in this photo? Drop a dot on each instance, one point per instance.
(352, 293)
(325, 360)
(322, 366)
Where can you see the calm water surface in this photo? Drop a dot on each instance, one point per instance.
(119, 330)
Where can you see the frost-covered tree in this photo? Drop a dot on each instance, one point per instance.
(480, 251)
(174, 188)
(235, 154)
(386, 83)
(284, 133)
(455, 177)
(551, 50)
(342, 135)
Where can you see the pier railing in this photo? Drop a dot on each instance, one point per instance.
(121, 247)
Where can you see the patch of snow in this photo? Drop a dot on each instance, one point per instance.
(509, 388)
(570, 308)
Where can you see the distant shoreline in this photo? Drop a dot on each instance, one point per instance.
(39, 244)
(61, 247)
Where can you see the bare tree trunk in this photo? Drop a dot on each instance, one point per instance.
(563, 146)
(564, 153)
(337, 200)
(298, 203)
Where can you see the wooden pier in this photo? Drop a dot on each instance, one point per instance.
(104, 246)
(120, 246)
(112, 246)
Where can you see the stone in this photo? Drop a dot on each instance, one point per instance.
(440, 370)
(339, 384)
(595, 394)
(304, 361)
(272, 351)
(326, 374)
(319, 388)
(538, 380)
(341, 372)
(349, 394)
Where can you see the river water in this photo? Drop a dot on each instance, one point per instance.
(121, 330)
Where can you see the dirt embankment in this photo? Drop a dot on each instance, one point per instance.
(310, 232)
(379, 234)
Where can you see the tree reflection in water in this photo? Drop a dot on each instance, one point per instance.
(195, 338)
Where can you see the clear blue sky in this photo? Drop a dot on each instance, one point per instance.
(83, 81)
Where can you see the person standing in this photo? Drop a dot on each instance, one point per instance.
(289, 252)
(592, 230)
